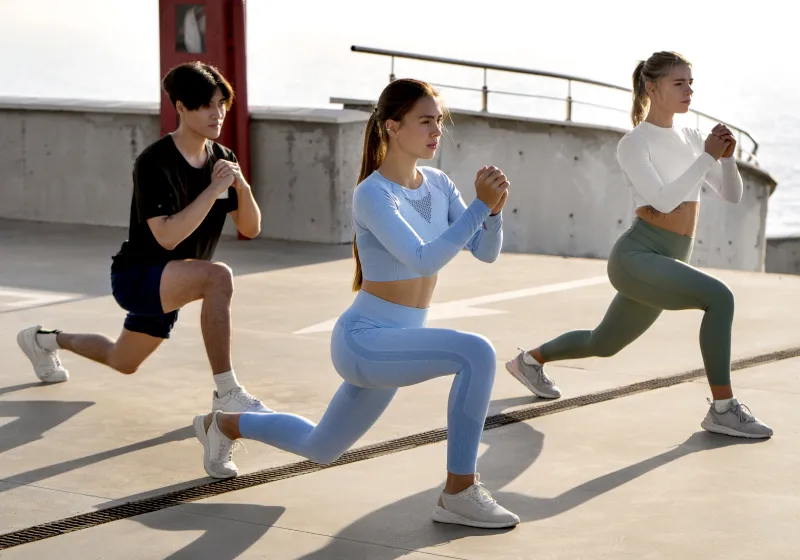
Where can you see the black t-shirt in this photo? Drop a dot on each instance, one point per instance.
(164, 183)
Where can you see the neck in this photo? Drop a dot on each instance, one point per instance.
(189, 142)
(658, 117)
(400, 168)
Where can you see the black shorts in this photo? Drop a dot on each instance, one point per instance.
(138, 291)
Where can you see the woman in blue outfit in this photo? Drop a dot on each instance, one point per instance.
(409, 223)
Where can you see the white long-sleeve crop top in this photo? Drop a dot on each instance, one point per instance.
(668, 166)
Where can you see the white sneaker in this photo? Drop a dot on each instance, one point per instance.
(533, 377)
(238, 400)
(474, 507)
(46, 364)
(217, 448)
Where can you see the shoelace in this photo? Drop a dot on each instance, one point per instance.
(541, 375)
(232, 446)
(742, 412)
(480, 493)
(54, 360)
(246, 398)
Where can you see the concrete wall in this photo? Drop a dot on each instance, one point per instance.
(783, 255)
(72, 163)
(570, 197)
(305, 166)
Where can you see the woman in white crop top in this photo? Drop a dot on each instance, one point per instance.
(666, 167)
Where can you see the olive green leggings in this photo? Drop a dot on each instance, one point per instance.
(647, 266)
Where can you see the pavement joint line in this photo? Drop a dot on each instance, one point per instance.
(215, 488)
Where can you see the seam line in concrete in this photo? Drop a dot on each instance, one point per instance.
(216, 488)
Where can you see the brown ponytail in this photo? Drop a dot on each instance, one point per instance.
(640, 99)
(371, 159)
(397, 99)
(651, 70)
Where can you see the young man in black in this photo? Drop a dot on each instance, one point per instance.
(184, 185)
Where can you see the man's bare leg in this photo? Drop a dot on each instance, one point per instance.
(181, 283)
(185, 281)
(125, 354)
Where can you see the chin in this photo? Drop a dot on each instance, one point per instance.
(683, 108)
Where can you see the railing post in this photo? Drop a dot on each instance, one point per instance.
(739, 146)
(391, 76)
(569, 100)
(484, 94)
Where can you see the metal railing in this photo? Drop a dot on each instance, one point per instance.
(569, 99)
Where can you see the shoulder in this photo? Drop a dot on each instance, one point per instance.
(222, 152)
(154, 156)
(438, 179)
(372, 190)
(634, 141)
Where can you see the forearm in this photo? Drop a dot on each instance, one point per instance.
(248, 216)
(488, 241)
(170, 231)
(727, 181)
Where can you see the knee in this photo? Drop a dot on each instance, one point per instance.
(607, 351)
(324, 456)
(126, 368)
(481, 352)
(722, 299)
(220, 279)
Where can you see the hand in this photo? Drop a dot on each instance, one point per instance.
(499, 206)
(220, 184)
(223, 168)
(716, 146)
(490, 186)
(724, 133)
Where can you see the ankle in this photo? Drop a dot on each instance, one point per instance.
(228, 424)
(457, 483)
(535, 355)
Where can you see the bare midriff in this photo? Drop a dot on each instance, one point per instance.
(682, 220)
(414, 292)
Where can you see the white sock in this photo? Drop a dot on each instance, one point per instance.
(226, 382)
(47, 340)
(530, 360)
(723, 404)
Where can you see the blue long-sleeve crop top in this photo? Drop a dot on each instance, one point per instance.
(410, 233)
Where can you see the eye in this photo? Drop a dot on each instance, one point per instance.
(426, 121)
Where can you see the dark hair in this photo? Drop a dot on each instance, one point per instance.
(396, 100)
(194, 84)
(651, 70)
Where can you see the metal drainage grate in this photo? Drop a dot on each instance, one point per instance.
(208, 490)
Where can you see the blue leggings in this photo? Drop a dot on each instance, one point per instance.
(376, 347)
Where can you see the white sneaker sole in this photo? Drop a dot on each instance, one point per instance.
(511, 367)
(200, 432)
(724, 430)
(441, 515)
(26, 340)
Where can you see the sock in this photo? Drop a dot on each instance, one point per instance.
(226, 382)
(47, 340)
(530, 360)
(723, 404)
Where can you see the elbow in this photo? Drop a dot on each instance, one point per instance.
(251, 232)
(425, 270)
(663, 207)
(488, 258)
(167, 244)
